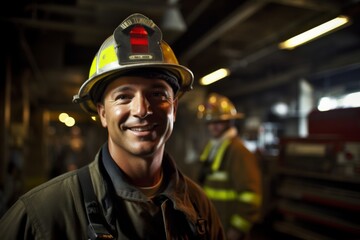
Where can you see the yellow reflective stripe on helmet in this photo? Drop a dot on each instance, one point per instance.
(93, 67)
(219, 155)
(240, 223)
(230, 195)
(107, 56)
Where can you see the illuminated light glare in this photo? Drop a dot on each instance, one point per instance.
(212, 99)
(93, 118)
(346, 101)
(69, 122)
(351, 100)
(224, 104)
(201, 111)
(281, 109)
(214, 76)
(327, 103)
(63, 117)
(314, 33)
(201, 108)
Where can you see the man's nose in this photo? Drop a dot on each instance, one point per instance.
(141, 106)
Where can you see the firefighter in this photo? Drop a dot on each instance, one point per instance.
(229, 172)
(133, 188)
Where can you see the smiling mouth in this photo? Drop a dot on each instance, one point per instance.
(142, 128)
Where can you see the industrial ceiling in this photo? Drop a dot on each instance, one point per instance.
(49, 44)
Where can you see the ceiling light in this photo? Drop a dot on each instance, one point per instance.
(214, 76)
(345, 101)
(173, 21)
(70, 121)
(314, 33)
(63, 117)
(173, 24)
(351, 100)
(280, 109)
(327, 103)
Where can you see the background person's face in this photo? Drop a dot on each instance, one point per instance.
(139, 114)
(217, 128)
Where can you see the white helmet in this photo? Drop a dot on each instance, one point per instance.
(135, 44)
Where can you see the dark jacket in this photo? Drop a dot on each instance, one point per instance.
(233, 182)
(55, 209)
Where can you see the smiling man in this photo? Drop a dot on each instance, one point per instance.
(132, 189)
(139, 113)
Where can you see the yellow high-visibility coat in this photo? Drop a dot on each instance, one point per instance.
(232, 180)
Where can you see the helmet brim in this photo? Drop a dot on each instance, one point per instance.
(184, 75)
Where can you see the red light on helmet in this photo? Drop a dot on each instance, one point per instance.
(139, 40)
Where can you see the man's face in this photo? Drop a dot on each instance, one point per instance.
(217, 128)
(139, 114)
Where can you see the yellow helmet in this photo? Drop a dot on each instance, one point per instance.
(218, 108)
(135, 44)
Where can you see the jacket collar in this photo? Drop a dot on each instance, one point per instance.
(174, 186)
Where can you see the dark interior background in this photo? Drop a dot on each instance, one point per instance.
(48, 46)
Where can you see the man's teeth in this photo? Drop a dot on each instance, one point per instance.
(139, 129)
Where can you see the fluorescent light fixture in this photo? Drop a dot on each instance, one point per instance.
(327, 103)
(314, 33)
(351, 100)
(214, 76)
(346, 101)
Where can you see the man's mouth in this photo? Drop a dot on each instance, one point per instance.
(142, 129)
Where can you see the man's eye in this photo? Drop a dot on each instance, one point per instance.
(159, 94)
(122, 97)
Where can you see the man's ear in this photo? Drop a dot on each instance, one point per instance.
(102, 114)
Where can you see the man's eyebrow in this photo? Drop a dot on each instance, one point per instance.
(122, 88)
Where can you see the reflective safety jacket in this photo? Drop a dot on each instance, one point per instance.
(231, 179)
(55, 209)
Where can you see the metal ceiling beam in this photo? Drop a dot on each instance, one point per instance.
(345, 61)
(62, 9)
(239, 15)
(60, 26)
(200, 8)
(316, 5)
(133, 6)
(89, 8)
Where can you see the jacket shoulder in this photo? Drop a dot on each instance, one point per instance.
(56, 205)
(56, 186)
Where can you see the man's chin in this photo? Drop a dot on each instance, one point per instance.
(148, 151)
